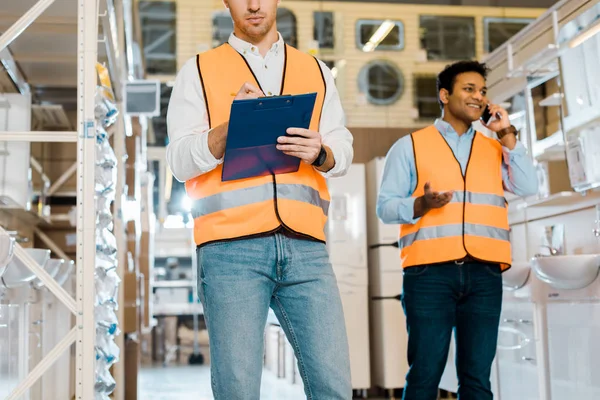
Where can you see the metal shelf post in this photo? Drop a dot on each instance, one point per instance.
(86, 208)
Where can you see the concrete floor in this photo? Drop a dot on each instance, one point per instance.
(182, 382)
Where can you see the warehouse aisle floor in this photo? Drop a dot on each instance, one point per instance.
(193, 382)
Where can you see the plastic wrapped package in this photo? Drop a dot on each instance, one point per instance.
(104, 217)
(106, 279)
(105, 383)
(105, 181)
(105, 155)
(107, 287)
(105, 111)
(105, 264)
(106, 245)
(104, 220)
(106, 162)
(107, 350)
(103, 204)
(106, 320)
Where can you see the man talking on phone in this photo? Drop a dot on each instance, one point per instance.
(445, 186)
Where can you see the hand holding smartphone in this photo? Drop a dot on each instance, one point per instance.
(487, 115)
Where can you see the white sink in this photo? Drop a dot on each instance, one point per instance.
(64, 271)
(52, 267)
(516, 276)
(568, 271)
(18, 274)
(7, 248)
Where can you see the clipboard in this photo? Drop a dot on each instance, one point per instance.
(254, 126)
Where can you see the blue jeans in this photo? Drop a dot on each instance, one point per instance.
(437, 298)
(239, 281)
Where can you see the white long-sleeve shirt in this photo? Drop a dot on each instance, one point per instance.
(188, 154)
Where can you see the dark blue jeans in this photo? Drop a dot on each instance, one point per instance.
(438, 298)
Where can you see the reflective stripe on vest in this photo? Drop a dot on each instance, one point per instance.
(249, 207)
(479, 198)
(257, 194)
(475, 221)
(436, 232)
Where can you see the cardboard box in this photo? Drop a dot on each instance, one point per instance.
(553, 127)
(131, 319)
(146, 304)
(65, 239)
(132, 368)
(552, 86)
(55, 159)
(553, 177)
(130, 288)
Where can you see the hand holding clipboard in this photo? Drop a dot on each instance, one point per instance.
(301, 143)
(255, 125)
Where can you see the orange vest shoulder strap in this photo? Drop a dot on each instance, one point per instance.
(303, 74)
(222, 61)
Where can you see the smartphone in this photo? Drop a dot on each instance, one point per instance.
(487, 115)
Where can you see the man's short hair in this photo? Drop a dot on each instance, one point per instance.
(447, 77)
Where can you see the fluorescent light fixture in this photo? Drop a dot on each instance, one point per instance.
(585, 35)
(384, 29)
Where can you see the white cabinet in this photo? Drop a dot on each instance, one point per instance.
(378, 232)
(356, 310)
(389, 340)
(346, 229)
(516, 354)
(573, 332)
(347, 245)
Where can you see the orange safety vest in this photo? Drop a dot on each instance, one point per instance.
(475, 222)
(249, 207)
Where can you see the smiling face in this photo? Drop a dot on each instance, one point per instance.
(253, 20)
(468, 98)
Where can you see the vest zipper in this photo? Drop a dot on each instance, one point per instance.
(465, 192)
(464, 176)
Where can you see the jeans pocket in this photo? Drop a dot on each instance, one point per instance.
(494, 270)
(199, 265)
(415, 271)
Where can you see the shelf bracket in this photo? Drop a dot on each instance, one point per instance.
(43, 365)
(62, 179)
(22, 23)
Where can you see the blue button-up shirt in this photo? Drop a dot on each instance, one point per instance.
(395, 204)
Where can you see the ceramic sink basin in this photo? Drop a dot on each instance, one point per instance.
(18, 274)
(52, 267)
(567, 271)
(516, 276)
(64, 271)
(7, 248)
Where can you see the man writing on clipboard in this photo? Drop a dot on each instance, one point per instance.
(261, 240)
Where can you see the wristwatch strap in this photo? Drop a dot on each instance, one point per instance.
(503, 132)
(321, 158)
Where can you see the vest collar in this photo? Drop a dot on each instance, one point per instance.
(447, 130)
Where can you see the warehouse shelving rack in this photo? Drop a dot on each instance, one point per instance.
(82, 306)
